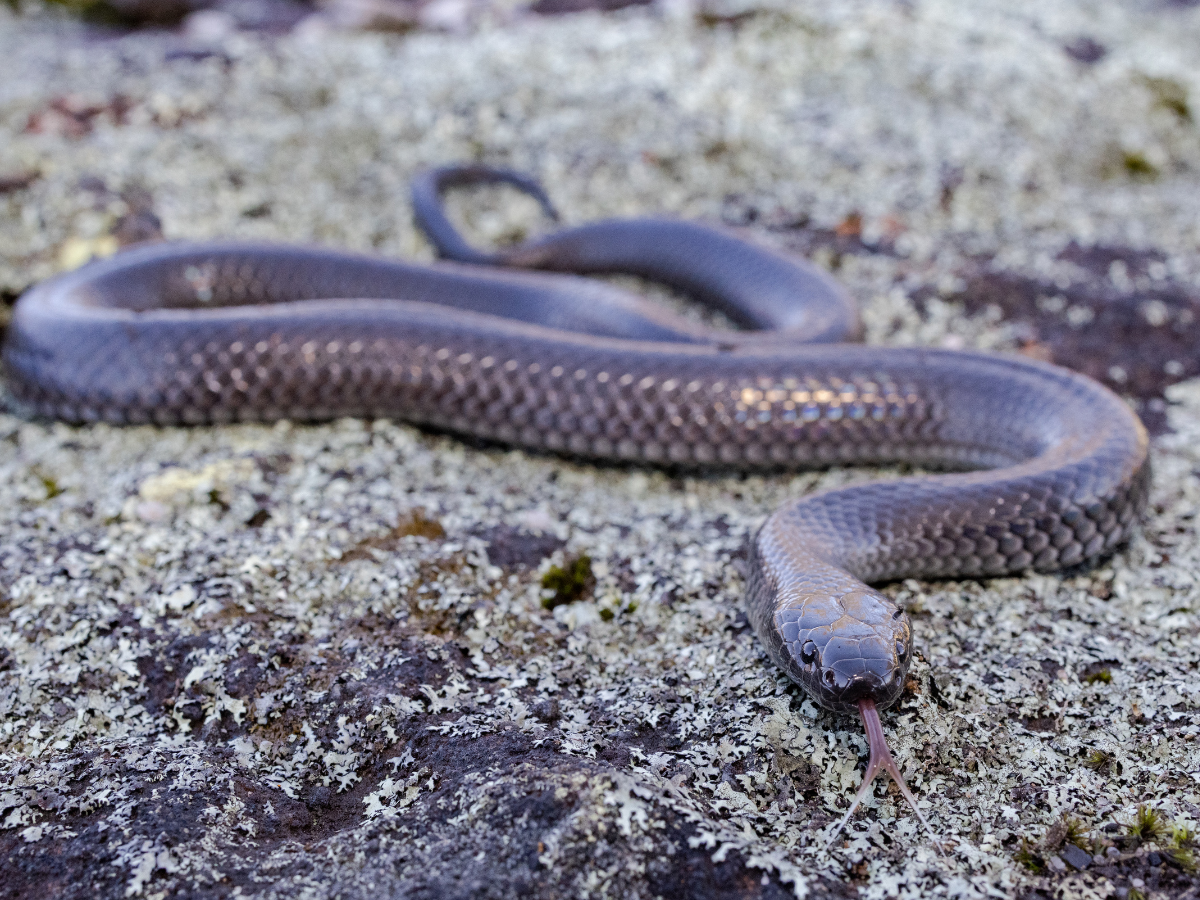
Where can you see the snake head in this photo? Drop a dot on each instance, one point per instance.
(846, 648)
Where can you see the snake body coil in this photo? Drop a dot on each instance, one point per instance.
(179, 333)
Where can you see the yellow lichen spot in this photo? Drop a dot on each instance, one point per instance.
(76, 251)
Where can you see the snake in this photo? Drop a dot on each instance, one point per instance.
(1020, 465)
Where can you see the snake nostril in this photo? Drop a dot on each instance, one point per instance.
(808, 653)
(897, 614)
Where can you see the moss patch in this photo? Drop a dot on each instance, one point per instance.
(570, 582)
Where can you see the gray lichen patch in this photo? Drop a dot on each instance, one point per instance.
(314, 660)
(229, 694)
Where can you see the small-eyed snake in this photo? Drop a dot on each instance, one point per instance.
(193, 333)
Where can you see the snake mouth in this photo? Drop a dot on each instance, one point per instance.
(861, 689)
(844, 695)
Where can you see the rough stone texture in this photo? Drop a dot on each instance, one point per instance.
(313, 661)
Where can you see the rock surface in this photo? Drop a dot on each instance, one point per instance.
(313, 661)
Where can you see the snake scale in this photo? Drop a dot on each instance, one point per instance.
(1044, 468)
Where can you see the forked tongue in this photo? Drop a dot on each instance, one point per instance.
(880, 761)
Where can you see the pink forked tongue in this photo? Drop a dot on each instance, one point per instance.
(881, 760)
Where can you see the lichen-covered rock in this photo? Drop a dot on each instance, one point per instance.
(325, 660)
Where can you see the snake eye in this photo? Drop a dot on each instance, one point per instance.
(897, 614)
(830, 677)
(808, 653)
(901, 650)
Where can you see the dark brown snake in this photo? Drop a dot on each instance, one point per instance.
(195, 333)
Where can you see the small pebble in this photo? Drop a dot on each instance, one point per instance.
(152, 511)
(1056, 865)
(1076, 857)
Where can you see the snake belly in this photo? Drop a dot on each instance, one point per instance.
(202, 333)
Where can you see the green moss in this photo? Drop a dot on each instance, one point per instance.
(1138, 166)
(1184, 858)
(1028, 857)
(1181, 848)
(1170, 95)
(608, 613)
(1148, 825)
(1182, 836)
(1104, 675)
(1100, 762)
(1067, 830)
(51, 486)
(569, 582)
